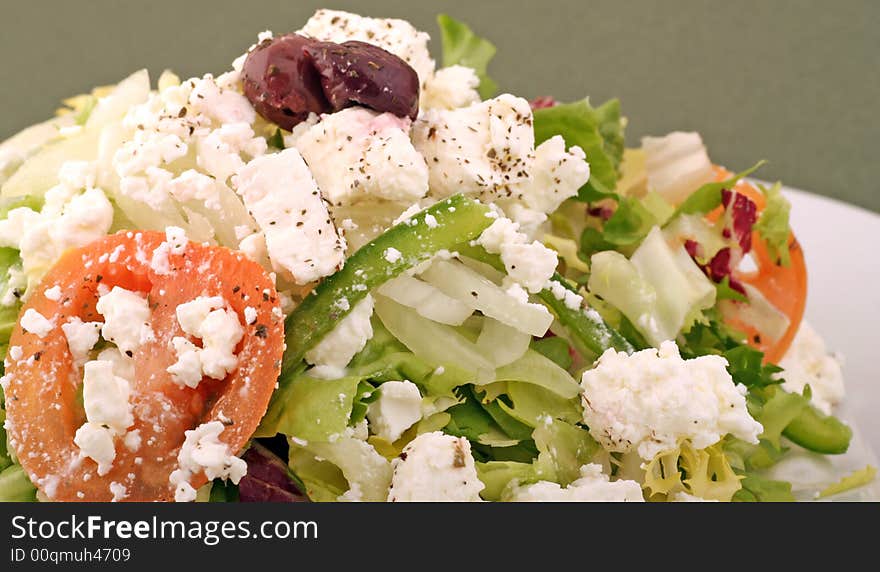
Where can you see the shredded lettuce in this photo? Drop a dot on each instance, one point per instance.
(773, 225)
(15, 485)
(462, 47)
(660, 289)
(759, 489)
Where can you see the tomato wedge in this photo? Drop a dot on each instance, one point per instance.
(44, 409)
(783, 286)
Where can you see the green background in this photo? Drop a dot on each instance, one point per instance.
(795, 82)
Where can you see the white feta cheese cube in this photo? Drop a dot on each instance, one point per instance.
(126, 319)
(450, 88)
(202, 450)
(36, 323)
(398, 407)
(360, 155)
(81, 337)
(106, 397)
(485, 149)
(96, 442)
(557, 174)
(284, 199)
(651, 400)
(530, 264)
(435, 467)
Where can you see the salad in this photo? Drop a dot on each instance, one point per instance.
(343, 271)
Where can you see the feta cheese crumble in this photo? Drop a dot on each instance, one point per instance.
(435, 467)
(36, 323)
(219, 330)
(592, 486)
(126, 319)
(530, 264)
(650, 400)
(81, 337)
(345, 340)
(202, 451)
(485, 149)
(398, 408)
(360, 155)
(450, 88)
(284, 199)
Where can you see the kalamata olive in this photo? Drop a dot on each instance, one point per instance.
(360, 73)
(281, 81)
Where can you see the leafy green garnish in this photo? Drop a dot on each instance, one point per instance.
(708, 197)
(554, 348)
(276, 141)
(462, 47)
(773, 225)
(760, 489)
(723, 291)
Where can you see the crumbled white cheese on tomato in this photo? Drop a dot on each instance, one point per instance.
(96, 442)
(175, 244)
(807, 362)
(106, 397)
(219, 330)
(345, 340)
(126, 319)
(36, 323)
(651, 400)
(592, 486)
(81, 337)
(360, 155)
(284, 199)
(202, 451)
(435, 467)
(398, 407)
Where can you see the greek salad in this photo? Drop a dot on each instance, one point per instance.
(343, 270)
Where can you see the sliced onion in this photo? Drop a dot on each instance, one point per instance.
(501, 343)
(427, 300)
(466, 285)
(433, 342)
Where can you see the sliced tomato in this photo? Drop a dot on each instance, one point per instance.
(783, 286)
(43, 407)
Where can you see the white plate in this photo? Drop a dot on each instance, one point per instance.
(840, 244)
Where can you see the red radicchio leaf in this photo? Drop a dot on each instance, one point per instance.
(268, 478)
(743, 214)
(543, 102)
(720, 266)
(600, 211)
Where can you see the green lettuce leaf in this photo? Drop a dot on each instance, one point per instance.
(708, 197)
(555, 349)
(773, 224)
(851, 481)
(759, 489)
(462, 47)
(563, 449)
